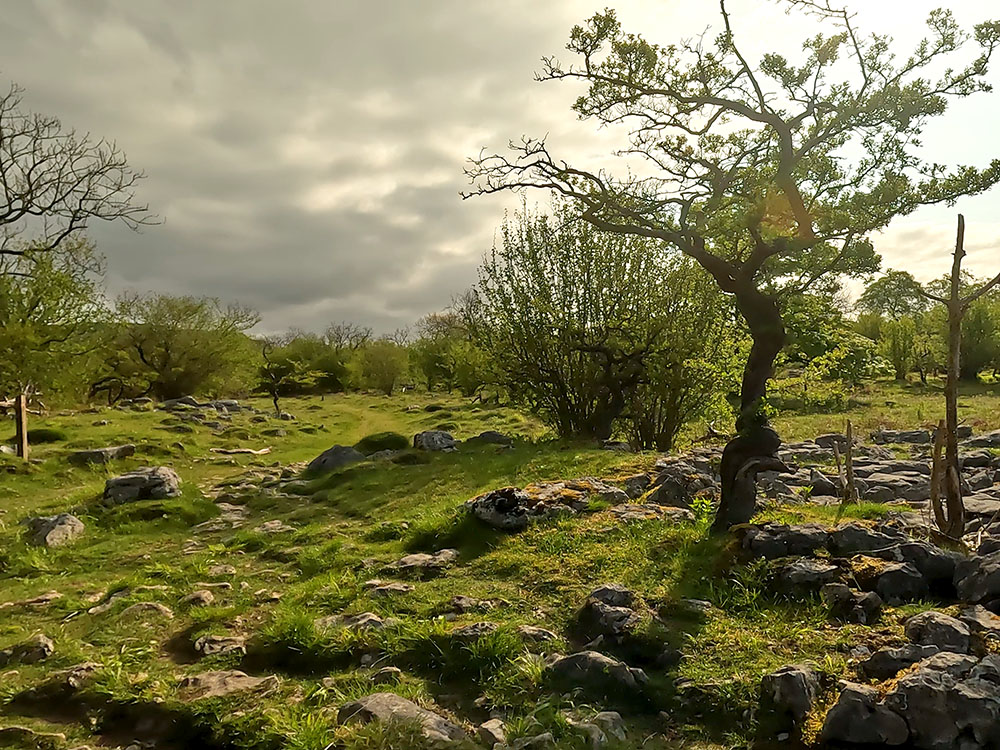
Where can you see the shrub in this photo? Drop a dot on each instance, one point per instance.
(382, 441)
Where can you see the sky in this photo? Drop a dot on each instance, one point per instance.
(306, 158)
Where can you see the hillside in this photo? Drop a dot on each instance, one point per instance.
(250, 609)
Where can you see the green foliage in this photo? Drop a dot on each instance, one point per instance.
(445, 355)
(174, 346)
(597, 332)
(898, 345)
(51, 318)
(854, 359)
(895, 295)
(381, 365)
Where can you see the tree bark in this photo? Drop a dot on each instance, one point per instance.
(21, 425)
(952, 477)
(755, 446)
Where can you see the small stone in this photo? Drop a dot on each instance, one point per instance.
(212, 645)
(492, 732)
(200, 598)
(217, 571)
(388, 707)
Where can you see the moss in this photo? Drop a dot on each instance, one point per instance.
(382, 441)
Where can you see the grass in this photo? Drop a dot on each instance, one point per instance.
(345, 527)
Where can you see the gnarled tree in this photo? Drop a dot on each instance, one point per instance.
(771, 176)
(53, 182)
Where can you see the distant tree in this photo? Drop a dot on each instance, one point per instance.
(382, 364)
(51, 317)
(347, 337)
(893, 296)
(898, 345)
(574, 331)
(771, 176)
(281, 373)
(54, 183)
(175, 346)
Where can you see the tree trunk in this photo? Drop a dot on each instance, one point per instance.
(755, 446)
(952, 477)
(21, 425)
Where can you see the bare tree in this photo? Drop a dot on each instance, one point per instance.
(772, 177)
(53, 182)
(951, 518)
(346, 336)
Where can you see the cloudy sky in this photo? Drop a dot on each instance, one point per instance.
(306, 156)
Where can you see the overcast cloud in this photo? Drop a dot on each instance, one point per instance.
(307, 157)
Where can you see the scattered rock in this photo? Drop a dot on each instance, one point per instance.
(804, 574)
(851, 606)
(533, 634)
(473, 632)
(940, 630)
(154, 482)
(225, 682)
(596, 672)
(380, 588)
(101, 455)
(511, 508)
(786, 698)
(887, 662)
(275, 526)
(423, 563)
(214, 645)
(335, 458)
(200, 598)
(632, 512)
(492, 732)
(218, 571)
(362, 621)
(37, 648)
(435, 440)
(899, 583)
(388, 707)
(918, 437)
(857, 718)
(492, 437)
(977, 579)
(54, 531)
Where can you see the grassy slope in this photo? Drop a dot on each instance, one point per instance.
(367, 516)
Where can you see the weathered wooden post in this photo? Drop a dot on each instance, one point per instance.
(21, 425)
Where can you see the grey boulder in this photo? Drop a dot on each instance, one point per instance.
(334, 458)
(54, 531)
(152, 482)
(435, 440)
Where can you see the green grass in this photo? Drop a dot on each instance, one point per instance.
(346, 526)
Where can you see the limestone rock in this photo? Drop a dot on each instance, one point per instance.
(858, 718)
(423, 563)
(435, 440)
(101, 455)
(786, 697)
(851, 606)
(389, 707)
(940, 630)
(212, 645)
(887, 662)
(492, 732)
(335, 458)
(54, 531)
(596, 672)
(199, 598)
(225, 682)
(154, 482)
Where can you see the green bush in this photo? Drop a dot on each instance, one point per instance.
(382, 441)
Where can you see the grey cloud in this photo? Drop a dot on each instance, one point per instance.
(307, 156)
